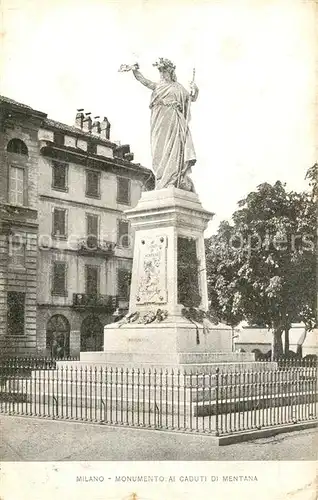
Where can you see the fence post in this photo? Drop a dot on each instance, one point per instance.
(315, 387)
(217, 374)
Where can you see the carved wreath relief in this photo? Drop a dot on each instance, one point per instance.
(152, 285)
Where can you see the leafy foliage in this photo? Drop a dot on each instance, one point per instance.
(312, 176)
(188, 269)
(262, 266)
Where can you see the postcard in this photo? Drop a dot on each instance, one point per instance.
(158, 314)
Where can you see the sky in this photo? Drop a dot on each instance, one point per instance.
(255, 61)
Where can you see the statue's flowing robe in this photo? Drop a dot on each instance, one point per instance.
(171, 142)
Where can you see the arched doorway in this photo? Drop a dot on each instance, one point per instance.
(58, 336)
(92, 334)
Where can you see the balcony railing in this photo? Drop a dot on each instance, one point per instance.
(91, 245)
(104, 303)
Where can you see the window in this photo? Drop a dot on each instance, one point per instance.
(123, 234)
(92, 230)
(16, 186)
(59, 278)
(92, 148)
(92, 280)
(92, 183)
(123, 283)
(59, 176)
(123, 190)
(59, 222)
(17, 146)
(15, 313)
(16, 254)
(58, 138)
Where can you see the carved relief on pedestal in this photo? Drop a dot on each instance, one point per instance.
(152, 272)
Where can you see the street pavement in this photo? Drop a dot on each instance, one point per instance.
(33, 439)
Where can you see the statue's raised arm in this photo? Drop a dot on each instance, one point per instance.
(172, 148)
(138, 75)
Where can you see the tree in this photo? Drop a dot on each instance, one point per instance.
(262, 266)
(223, 278)
(308, 225)
(312, 176)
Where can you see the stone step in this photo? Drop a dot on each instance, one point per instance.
(197, 399)
(204, 368)
(137, 417)
(156, 358)
(83, 374)
(83, 391)
(83, 403)
(143, 389)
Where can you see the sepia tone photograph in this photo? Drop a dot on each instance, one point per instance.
(158, 253)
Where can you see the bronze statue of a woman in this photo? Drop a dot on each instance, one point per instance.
(172, 148)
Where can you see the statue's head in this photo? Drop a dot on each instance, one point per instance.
(166, 66)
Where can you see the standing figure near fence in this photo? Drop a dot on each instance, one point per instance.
(172, 148)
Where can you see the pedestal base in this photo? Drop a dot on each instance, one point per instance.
(167, 341)
(179, 345)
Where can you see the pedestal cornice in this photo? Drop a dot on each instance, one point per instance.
(169, 207)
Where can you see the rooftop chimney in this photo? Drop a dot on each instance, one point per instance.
(105, 128)
(87, 122)
(79, 118)
(96, 126)
(123, 151)
(129, 156)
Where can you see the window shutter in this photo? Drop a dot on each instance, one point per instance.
(92, 225)
(92, 183)
(59, 219)
(92, 230)
(123, 233)
(123, 283)
(123, 190)
(59, 172)
(59, 278)
(92, 280)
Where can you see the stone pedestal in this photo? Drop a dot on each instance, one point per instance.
(162, 220)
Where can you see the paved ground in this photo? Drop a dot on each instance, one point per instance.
(31, 439)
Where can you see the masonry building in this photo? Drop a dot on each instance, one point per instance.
(66, 247)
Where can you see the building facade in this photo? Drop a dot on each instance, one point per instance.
(66, 247)
(19, 156)
(259, 340)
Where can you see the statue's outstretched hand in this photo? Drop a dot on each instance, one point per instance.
(127, 67)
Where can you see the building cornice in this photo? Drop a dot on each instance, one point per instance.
(54, 126)
(10, 104)
(79, 203)
(115, 165)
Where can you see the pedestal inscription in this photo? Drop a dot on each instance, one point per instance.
(152, 271)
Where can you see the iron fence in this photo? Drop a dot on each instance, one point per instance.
(288, 361)
(18, 364)
(216, 403)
